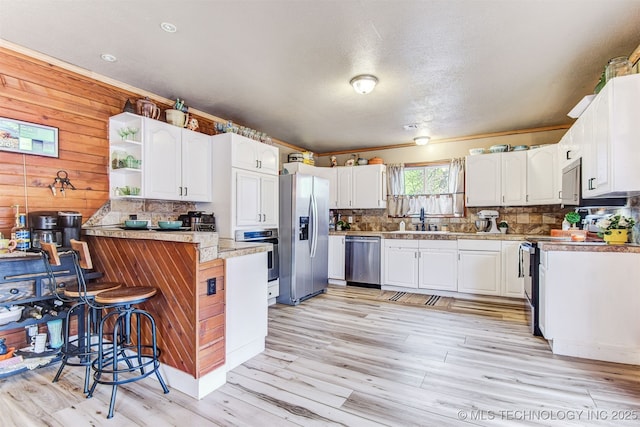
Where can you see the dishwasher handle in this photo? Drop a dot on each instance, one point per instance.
(359, 239)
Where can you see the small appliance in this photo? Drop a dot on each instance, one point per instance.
(198, 221)
(44, 228)
(71, 225)
(491, 216)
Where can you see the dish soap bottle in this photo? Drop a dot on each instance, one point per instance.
(402, 225)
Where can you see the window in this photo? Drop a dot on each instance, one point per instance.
(427, 180)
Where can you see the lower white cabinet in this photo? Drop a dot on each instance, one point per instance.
(336, 257)
(512, 284)
(424, 264)
(479, 266)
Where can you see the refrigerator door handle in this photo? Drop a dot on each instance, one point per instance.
(314, 225)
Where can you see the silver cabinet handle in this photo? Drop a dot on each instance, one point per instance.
(180, 190)
(257, 164)
(186, 191)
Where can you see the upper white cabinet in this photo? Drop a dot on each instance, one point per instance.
(543, 176)
(244, 197)
(608, 133)
(177, 163)
(252, 155)
(328, 173)
(568, 149)
(126, 156)
(362, 187)
(498, 179)
(336, 257)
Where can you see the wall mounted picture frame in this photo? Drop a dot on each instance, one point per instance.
(28, 138)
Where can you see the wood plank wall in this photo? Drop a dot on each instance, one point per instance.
(35, 91)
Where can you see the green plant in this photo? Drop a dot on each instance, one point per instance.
(503, 224)
(343, 224)
(615, 222)
(572, 217)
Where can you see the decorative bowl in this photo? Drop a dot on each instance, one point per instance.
(476, 151)
(499, 148)
(170, 225)
(135, 223)
(520, 147)
(11, 314)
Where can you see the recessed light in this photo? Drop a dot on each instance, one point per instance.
(168, 27)
(108, 57)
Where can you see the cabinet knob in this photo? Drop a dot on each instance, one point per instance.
(14, 291)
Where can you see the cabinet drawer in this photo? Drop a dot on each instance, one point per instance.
(17, 291)
(401, 243)
(438, 244)
(480, 245)
(273, 291)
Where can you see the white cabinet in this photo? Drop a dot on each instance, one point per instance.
(243, 197)
(362, 187)
(328, 173)
(336, 257)
(401, 265)
(609, 138)
(256, 201)
(498, 179)
(479, 266)
(177, 163)
(438, 265)
(568, 149)
(126, 177)
(543, 176)
(512, 285)
(252, 155)
(425, 264)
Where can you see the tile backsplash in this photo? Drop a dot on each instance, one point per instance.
(116, 211)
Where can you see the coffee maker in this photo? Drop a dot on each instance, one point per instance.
(44, 228)
(71, 225)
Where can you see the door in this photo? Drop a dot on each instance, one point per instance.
(482, 180)
(438, 269)
(345, 186)
(401, 263)
(302, 280)
(336, 257)
(162, 160)
(267, 158)
(543, 177)
(514, 178)
(319, 233)
(367, 190)
(512, 284)
(247, 198)
(268, 200)
(196, 166)
(479, 272)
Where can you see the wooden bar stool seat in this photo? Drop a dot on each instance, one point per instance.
(127, 355)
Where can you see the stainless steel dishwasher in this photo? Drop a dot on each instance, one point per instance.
(362, 258)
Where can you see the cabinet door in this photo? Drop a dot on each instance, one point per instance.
(401, 264)
(479, 272)
(368, 187)
(243, 153)
(331, 174)
(268, 200)
(514, 178)
(482, 180)
(438, 269)
(542, 302)
(247, 189)
(336, 257)
(268, 161)
(584, 133)
(543, 176)
(512, 285)
(601, 141)
(162, 160)
(196, 166)
(345, 187)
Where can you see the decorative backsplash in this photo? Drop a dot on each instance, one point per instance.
(116, 211)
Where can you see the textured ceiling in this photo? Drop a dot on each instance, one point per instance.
(456, 67)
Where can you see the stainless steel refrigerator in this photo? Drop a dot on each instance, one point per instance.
(304, 237)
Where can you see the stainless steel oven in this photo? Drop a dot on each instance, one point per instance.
(267, 235)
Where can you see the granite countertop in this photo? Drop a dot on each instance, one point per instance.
(588, 247)
(229, 248)
(204, 238)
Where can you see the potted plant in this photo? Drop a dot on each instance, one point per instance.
(615, 229)
(503, 226)
(572, 218)
(342, 225)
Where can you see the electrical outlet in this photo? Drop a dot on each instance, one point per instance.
(211, 286)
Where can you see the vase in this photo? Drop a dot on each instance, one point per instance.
(55, 333)
(617, 237)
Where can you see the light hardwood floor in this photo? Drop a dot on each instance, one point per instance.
(351, 357)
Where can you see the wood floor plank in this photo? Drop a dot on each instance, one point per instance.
(353, 357)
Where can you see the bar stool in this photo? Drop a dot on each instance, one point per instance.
(125, 358)
(79, 351)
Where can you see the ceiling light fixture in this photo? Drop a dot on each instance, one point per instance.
(168, 27)
(364, 83)
(108, 57)
(422, 140)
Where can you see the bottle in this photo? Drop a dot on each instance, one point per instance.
(402, 226)
(20, 233)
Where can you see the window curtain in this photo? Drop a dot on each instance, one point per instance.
(456, 185)
(397, 201)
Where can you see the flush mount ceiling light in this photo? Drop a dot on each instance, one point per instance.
(422, 140)
(108, 57)
(364, 83)
(168, 27)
